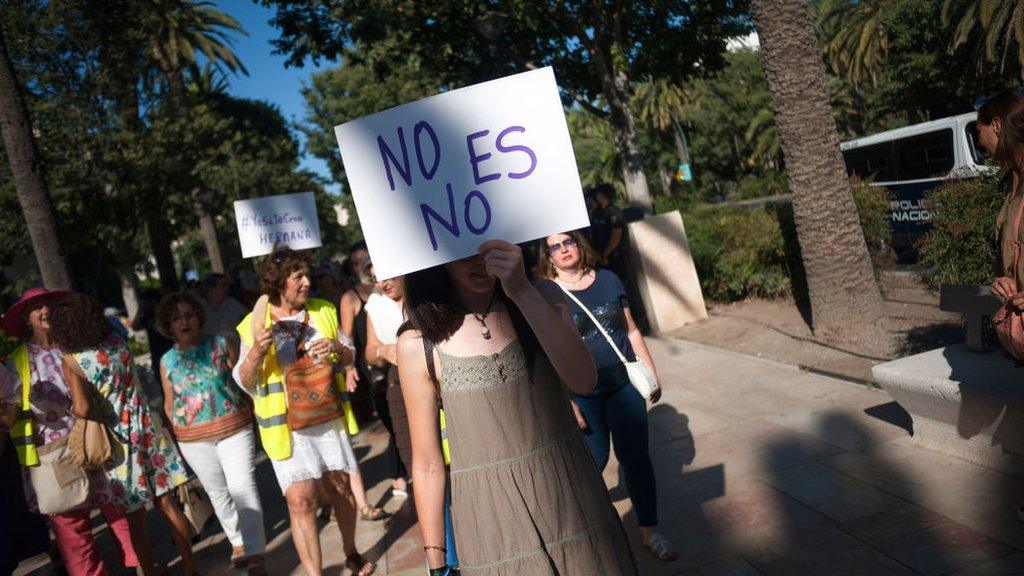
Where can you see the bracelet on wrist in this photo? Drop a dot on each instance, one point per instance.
(440, 549)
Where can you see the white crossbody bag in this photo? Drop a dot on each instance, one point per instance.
(640, 374)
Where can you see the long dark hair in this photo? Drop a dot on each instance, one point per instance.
(1006, 106)
(433, 309)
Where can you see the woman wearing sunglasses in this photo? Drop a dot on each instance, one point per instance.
(614, 410)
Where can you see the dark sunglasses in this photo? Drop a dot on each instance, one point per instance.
(279, 256)
(567, 243)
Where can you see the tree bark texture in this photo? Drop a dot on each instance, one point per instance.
(29, 181)
(208, 228)
(160, 244)
(841, 282)
(615, 86)
(129, 291)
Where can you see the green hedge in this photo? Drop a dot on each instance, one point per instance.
(961, 246)
(739, 253)
(745, 252)
(875, 220)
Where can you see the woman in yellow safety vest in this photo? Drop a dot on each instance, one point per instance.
(41, 425)
(285, 340)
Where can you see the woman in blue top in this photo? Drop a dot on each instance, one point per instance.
(615, 410)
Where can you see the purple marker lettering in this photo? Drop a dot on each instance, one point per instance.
(487, 212)
(516, 148)
(422, 126)
(386, 154)
(476, 159)
(452, 225)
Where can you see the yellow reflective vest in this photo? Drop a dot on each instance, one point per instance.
(269, 402)
(21, 432)
(444, 441)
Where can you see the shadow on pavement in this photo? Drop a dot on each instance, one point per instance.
(821, 518)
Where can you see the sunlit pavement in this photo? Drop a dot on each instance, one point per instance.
(762, 469)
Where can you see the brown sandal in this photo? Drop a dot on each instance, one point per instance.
(372, 514)
(359, 565)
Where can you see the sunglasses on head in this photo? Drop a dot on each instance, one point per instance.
(567, 243)
(279, 256)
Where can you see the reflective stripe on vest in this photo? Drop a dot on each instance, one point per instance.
(269, 404)
(444, 440)
(21, 432)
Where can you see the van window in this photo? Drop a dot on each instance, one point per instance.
(925, 156)
(873, 162)
(978, 153)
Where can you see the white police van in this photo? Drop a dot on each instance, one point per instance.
(911, 161)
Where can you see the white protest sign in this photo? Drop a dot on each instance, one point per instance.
(286, 220)
(433, 179)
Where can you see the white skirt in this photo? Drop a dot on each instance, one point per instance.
(316, 450)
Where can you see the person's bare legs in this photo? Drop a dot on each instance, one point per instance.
(180, 531)
(138, 528)
(358, 490)
(302, 507)
(337, 486)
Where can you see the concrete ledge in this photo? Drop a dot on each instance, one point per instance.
(966, 404)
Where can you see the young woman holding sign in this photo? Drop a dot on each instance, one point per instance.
(526, 498)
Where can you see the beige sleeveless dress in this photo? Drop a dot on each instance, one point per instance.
(527, 499)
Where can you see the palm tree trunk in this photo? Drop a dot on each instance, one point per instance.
(841, 282)
(24, 160)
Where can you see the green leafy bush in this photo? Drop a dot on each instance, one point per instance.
(875, 219)
(768, 183)
(960, 249)
(7, 345)
(751, 251)
(739, 253)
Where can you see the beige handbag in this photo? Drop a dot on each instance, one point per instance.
(89, 444)
(60, 484)
(195, 503)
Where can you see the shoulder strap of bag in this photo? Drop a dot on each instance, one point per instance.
(596, 323)
(428, 352)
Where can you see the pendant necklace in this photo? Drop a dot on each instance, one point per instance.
(482, 318)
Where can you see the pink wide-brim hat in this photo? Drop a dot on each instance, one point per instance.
(13, 322)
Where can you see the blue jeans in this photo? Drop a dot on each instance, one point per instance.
(449, 532)
(622, 416)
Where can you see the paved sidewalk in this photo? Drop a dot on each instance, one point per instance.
(762, 469)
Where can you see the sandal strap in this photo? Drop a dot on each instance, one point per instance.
(659, 545)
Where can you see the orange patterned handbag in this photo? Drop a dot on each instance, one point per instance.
(312, 396)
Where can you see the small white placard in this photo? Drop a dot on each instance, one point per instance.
(434, 179)
(286, 220)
